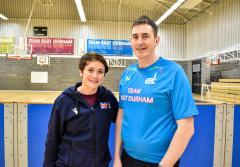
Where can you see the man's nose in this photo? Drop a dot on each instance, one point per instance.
(139, 41)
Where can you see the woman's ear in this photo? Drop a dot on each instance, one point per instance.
(81, 74)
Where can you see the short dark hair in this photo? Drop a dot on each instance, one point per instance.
(146, 20)
(92, 57)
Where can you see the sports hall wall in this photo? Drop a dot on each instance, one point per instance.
(62, 73)
(218, 30)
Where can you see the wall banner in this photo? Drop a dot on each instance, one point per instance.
(52, 46)
(6, 44)
(110, 47)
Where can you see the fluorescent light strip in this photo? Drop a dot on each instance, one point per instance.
(3, 17)
(80, 10)
(169, 11)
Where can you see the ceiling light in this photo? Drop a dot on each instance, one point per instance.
(169, 11)
(3, 17)
(80, 10)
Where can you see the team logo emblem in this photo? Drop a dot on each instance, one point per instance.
(105, 105)
(151, 81)
(75, 111)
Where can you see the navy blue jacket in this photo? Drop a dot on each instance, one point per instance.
(78, 133)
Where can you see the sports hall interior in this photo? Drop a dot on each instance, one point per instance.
(201, 35)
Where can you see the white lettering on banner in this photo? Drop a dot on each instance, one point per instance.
(64, 41)
(94, 42)
(105, 42)
(34, 40)
(6, 40)
(47, 40)
(121, 43)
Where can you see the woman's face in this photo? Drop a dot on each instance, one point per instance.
(92, 75)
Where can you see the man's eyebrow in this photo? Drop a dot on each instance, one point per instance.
(141, 34)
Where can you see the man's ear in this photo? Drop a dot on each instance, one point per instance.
(157, 40)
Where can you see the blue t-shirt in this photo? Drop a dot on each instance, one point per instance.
(152, 99)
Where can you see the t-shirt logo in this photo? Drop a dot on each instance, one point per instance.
(105, 105)
(127, 78)
(151, 81)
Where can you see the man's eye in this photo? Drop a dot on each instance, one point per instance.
(134, 37)
(145, 36)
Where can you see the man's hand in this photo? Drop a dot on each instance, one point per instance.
(117, 163)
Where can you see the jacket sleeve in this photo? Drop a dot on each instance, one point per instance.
(55, 132)
(114, 106)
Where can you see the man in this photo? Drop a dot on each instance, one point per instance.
(155, 120)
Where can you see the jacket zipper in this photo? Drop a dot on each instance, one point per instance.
(94, 137)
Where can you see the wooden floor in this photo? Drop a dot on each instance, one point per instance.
(23, 96)
(203, 100)
(48, 97)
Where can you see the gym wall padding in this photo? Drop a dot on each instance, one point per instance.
(38, 117)
(2, 162)
(200, 151)
(236, 137)
(111, 142)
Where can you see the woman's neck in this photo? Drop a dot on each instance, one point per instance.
(86, 91)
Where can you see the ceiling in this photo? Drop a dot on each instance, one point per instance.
(106, 10)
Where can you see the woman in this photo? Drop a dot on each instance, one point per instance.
(80, 121)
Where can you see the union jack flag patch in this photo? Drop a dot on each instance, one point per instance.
(104, 105)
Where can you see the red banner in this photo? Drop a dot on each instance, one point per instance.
(52, 46)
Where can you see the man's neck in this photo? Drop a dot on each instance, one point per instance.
(143, 63)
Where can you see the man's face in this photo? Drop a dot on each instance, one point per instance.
(143, 41)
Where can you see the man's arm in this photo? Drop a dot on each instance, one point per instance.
(182, 136)
(118, 140)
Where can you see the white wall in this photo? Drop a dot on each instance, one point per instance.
(171, 45)
(178, 42)
(214, 32)
(172, 41)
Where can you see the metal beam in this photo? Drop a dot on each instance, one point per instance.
(144, 4)
(29, 19)
(203, 9)
(120, 3)
(207, 3)
(165, 1)
(200, 10)
(130, 3)
(49, 3)
(176, 13)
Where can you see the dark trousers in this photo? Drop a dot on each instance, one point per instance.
(128, 161)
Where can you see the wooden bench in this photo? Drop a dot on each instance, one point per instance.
(227, 90)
